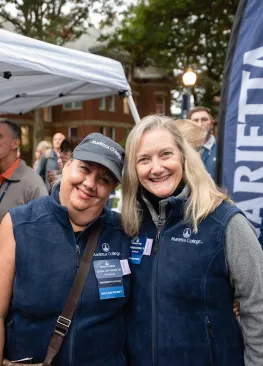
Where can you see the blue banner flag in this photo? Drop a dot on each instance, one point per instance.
(240, 139)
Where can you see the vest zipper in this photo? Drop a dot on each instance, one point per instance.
(211, 339)
(154, 291)
(157, 238)
(160, 226)
(210, 329)
(154, 300)
(77, 255)
(73, 327)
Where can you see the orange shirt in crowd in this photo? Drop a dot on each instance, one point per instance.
(9, 172)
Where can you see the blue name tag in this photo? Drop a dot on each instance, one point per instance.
(136, 249)
(109, 275)
(111, 292)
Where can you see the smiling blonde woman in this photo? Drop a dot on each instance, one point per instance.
(193, 251)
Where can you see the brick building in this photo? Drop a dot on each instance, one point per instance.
(111, 115)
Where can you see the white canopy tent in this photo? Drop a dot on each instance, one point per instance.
(36, 74)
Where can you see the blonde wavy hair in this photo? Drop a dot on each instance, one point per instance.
(194, 134)
(203, 195)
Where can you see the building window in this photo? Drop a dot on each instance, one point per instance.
(72, 106)
(126, 109)
(103, 131)
(102, 104)
(72, 132)
(47, 114)
(160, 104)
(107, 103)
(111, 103)
(112, 133)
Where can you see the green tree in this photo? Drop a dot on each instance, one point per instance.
(55, 21)
(175, 34)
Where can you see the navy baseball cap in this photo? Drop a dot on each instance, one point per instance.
(100, 149)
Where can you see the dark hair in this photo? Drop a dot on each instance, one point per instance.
(14, 128)
(199, 109)
(70, 143)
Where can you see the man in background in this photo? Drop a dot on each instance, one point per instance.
(202, 117)
(49, 161)
(19, 184)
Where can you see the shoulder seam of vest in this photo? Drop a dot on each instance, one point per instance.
(220, 221)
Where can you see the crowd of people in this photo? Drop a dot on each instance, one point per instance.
(164, 273)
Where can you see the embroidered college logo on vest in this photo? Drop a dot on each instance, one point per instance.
(187, 232)
(106, 251)
(105, 247)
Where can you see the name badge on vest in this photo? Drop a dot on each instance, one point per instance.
(139, 246)
(109, 274)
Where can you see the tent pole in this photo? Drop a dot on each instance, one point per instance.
(133, 109)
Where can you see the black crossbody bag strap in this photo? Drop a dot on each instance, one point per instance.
(64, 320)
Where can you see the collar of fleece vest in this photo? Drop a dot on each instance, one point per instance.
(175, 203)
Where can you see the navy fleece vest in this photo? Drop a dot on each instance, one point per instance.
(45, 271)
(180, 313)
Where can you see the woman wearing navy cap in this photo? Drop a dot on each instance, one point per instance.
(41, 245)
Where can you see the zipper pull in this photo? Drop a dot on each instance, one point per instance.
(156, 244)
(210, 329)
(157, 238)
(77, 255)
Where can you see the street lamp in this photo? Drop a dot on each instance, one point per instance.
(189, 80)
